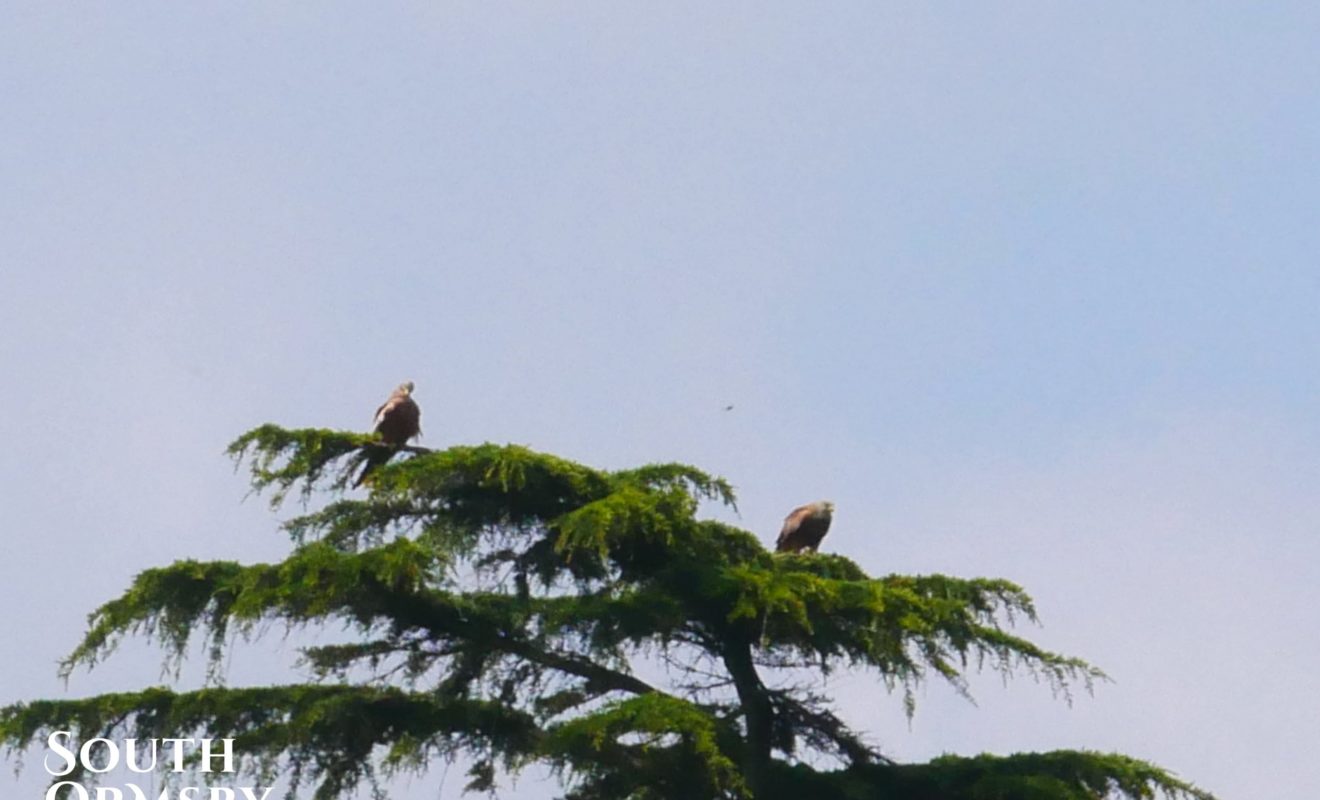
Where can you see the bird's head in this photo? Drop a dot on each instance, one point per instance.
(826, 507)
(405, 388)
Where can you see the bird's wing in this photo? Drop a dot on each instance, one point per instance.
(380, 412)
(387, 408)
(399, 420)
(791, 524)
(813, 530)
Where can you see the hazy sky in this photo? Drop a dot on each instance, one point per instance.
(1031, 290)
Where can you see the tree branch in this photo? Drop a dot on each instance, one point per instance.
(434, 620)
(827, 728)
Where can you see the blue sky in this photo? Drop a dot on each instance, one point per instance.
(1028, 289)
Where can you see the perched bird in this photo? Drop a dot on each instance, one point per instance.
(805, 526)
(397, 420)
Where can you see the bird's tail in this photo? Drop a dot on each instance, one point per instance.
(374, 457)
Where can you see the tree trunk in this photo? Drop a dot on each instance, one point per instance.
(757, 714)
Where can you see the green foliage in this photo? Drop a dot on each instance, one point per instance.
(651, 746)
(330, 733)
(501, 599)
(1058, 775)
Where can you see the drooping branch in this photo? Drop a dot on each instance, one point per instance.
(1057, 775)
(819, 727)
(653, 745)
(383, 586)
(327, 733)
(823, 611)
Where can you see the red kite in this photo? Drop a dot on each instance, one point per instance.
(397, 420)
(805, 526)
